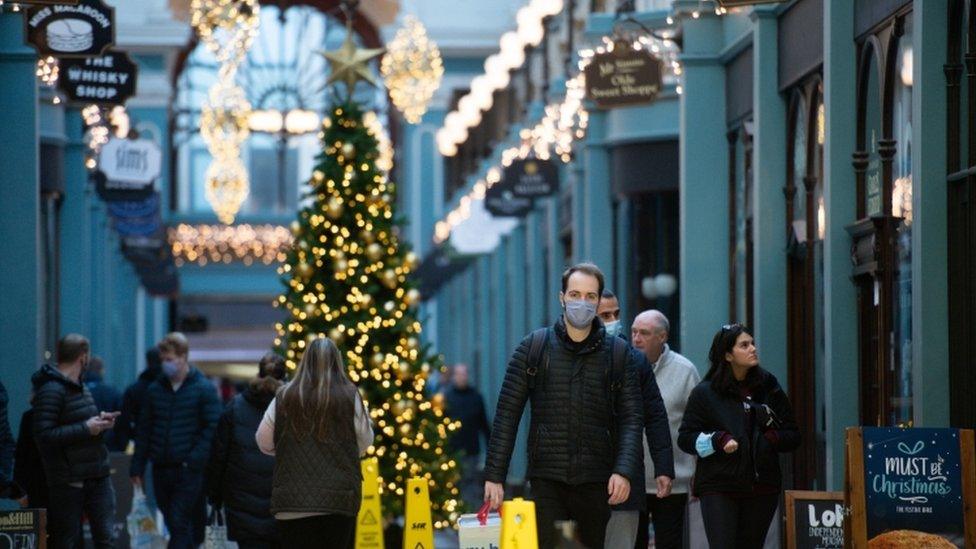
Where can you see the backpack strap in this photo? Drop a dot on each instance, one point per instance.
(615, 371)
(538, 345)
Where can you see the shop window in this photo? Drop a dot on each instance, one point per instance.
(740, 224)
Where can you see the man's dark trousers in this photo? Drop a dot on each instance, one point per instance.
(668, 516)
(178, 490)
(96, 499)
(586, 504)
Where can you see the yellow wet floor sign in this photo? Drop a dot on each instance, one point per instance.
(418, 531)
(369, 524)
(518, 525)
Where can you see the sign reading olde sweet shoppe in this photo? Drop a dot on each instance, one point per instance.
(910, 488)
(84, 29)
(532, 178)
(500, 201)
(623, 76)
(106, 80)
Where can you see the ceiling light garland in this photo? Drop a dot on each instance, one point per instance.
(227, 28)
(562, 124)
(412, 69)
(510, 56)
(249, 244)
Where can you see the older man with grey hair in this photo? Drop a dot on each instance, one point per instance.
(676, 376)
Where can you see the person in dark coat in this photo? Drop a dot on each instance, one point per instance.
(239, 475)
(68, 429)
(585, 431)
(464, 403)
(176, 426)
(9, 488)
(107, 398)
(737, 422)
(28, 471)
(134, 397)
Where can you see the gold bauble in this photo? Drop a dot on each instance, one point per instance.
(341, 266)
(334, 208)
(337, 335)
(374, 252)
(303, 270)
(296, 228)
(403, 371)
(348, 150)
(310, 309)
(405, 429)
(412, 343)
(437, 402)
(378, 359)
(389, 279)
(410, 260)
(367, 236)
(366, 300)
(400, 407)
(303, 244)
(413, 297)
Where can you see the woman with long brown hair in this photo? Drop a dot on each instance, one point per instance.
(317, 428)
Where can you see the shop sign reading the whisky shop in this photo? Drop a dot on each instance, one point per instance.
(71, 29)
(106, 80)
(623, 76)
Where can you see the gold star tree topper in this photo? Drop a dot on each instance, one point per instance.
(350, 64)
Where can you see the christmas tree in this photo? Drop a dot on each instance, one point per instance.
(347, 277)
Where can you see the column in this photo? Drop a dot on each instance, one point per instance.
(840, 299)
(769, 208)
(75, 232)
(20, 246)
(703, 195)
(597, 228)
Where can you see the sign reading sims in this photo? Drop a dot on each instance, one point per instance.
(83, 29)
(532, 178)
(106, 80)
(136, 162)
(914, 485)
(623, 77)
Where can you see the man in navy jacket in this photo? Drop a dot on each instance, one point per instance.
(176, 427)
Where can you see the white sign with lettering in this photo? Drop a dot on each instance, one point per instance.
(134, 161)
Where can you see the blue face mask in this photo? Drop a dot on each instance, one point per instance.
(171, 368)
(580, 314)
(612, 328)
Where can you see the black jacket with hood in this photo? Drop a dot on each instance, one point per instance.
(756, 462)
(573, 413)
(69, 451)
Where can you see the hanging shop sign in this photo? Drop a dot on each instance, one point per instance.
(500, 201)
(532, 178)
(48, 2)
(910, 487)
(623, 77)
(814, 520)
(136, 162)
(741, 3)
(115, 191)
(83, 29)
(106, 80)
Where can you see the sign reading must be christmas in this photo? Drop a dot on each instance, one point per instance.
(106, 80)
(83, 29)
(623, 76)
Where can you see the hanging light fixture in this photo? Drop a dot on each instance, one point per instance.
(226, 27)
(412, 69)
(227, 187)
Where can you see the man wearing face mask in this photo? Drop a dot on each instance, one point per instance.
(622, 530)
(585, 428)
(176, 427)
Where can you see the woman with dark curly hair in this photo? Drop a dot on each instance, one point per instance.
(737, 421)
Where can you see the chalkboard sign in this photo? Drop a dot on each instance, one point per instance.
(24, 528)
(910, 487)
(814, 520)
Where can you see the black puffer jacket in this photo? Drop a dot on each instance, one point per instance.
(177, 427)
(239, 475)
(69, 451)
(756, 461)
(570, 436)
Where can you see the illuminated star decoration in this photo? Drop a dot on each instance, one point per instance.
(350, 64)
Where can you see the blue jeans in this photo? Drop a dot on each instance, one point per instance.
(96, 499)
(178, 491)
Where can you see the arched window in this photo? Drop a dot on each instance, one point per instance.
(284, 78)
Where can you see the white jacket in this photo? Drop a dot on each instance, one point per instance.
(676, 376)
